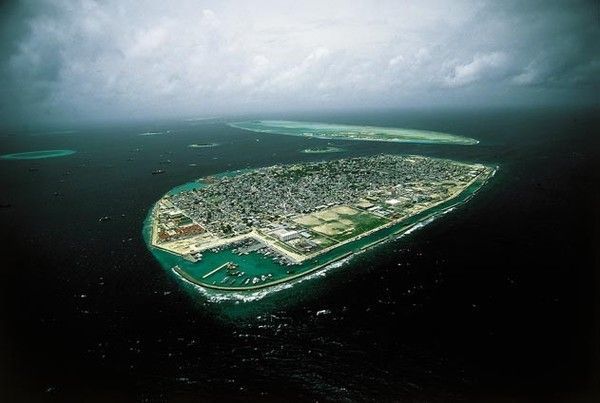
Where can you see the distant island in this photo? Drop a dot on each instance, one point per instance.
(322, 150)
(253, 229)
(203, 145)
(36, 155)
(351, 132)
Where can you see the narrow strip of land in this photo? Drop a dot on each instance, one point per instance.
(351, 132)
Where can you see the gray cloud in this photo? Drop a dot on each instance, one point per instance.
(78, 60)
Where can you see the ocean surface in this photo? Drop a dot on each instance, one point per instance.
(496, 299)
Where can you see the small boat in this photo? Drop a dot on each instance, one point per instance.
(158, 171)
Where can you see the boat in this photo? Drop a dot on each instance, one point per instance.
(191, 258)
(158, 171)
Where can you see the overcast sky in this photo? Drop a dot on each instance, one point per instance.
(78, 60)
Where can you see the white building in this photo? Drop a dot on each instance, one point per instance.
(285, 235)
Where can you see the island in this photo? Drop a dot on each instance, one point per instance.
(203, 145)
(322, 150)
(36, 155)
(351, 132)
(247, 230)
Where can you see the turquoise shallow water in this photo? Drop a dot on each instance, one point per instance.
(36, 155)
(352, 132)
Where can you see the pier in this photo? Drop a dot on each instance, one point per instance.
(210, 273)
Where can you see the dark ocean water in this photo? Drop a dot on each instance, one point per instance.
(497, 299)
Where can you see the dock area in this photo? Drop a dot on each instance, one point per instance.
(191, 279)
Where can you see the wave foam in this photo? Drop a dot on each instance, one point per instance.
(249, 296)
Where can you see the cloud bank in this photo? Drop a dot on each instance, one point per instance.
(84, 60)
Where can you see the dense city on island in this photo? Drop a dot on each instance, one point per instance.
(304, 208)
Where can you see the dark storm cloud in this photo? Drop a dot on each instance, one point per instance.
(77, 60)
(555, 42)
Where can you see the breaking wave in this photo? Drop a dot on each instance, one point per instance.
(249, 296)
